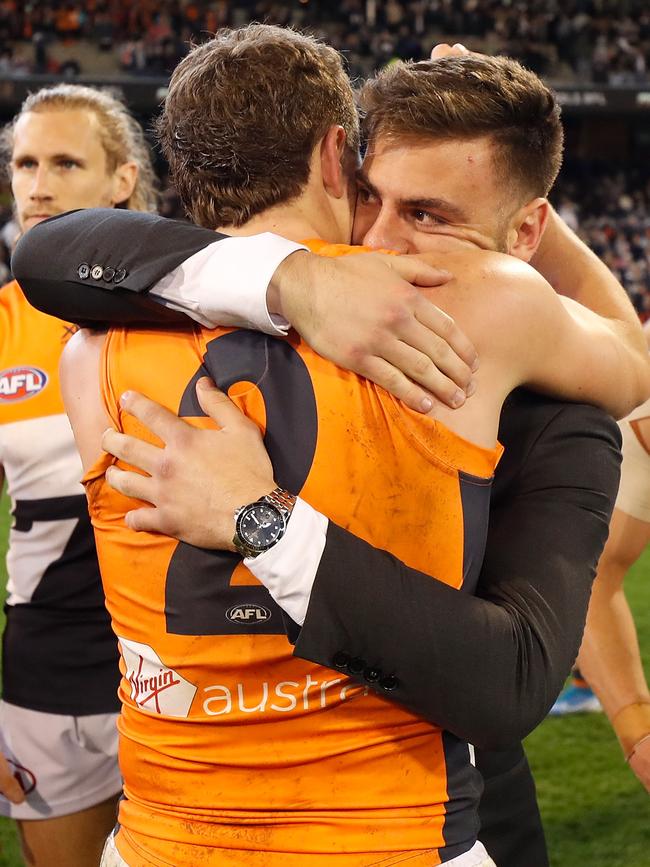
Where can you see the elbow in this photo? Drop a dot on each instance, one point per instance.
(639, 389)
(502, 730)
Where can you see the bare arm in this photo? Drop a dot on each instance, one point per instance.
(79, 369)
(550, 342)
(577, 273)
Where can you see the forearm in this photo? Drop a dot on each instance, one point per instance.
(609, 657)
(576, 272)
(150, 270)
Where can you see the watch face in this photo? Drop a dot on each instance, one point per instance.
(260, 525)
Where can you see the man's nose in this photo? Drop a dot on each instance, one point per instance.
(41, 186)
(385, 234)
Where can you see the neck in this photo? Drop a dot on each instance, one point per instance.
(297, 220)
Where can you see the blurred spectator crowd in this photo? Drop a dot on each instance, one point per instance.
(611, 213)
(603, 41)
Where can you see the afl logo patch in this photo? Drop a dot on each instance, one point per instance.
(21, 383)
(250, 614)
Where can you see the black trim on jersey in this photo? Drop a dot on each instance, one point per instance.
(464, 787)
(475, 497)
(199, 598)
(59, 651)
(59, 662)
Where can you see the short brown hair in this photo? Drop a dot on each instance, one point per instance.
(470, 97)
(121, 135)
(242, 116)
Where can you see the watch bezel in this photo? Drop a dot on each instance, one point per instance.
(241, 535)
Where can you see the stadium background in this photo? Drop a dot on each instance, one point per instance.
(596, 54)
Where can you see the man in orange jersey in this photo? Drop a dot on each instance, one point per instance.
(233, 751)
(68, 147)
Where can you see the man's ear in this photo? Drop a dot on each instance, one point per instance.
(332, 155)
(526, 229)
(124, 179)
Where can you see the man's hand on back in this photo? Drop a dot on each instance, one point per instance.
(199, 477)
(364, 313)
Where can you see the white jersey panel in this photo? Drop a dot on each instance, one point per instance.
(40, 461)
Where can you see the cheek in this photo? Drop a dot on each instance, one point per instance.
(84, 191)
(18, 189)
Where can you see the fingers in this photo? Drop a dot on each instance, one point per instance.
(130, 484)
(443, 49)
(400, 386)
(420, 370)
(9, 785)
(160, 421)
(131, 450)
(146, 521)
(416, 271)
(216, 404)
(439, 323)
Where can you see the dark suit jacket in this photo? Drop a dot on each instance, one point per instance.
(485, 667)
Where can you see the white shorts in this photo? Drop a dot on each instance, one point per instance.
(476, 857)
(634, 491)
(110, 856)
(66, 763)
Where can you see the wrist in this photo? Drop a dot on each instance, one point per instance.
(632, 725)
(260, 524)
(291, 272)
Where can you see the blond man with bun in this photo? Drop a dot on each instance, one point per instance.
(68, 147)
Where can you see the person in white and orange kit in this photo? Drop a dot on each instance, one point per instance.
(69, 147)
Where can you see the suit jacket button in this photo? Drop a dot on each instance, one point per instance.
(109, 273)
(96, 272)
(83, 271)
(341, 660)
(356, 665)
(120, 274)
(389, 683)
(371, 675)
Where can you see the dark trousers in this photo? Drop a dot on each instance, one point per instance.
(511, 826)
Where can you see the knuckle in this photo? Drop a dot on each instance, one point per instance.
(396, 315)
(183, 437)
(355, 355)
(447, 325)
(165, 468)
(423, 366)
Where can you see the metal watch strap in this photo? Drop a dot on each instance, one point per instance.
(281, 498)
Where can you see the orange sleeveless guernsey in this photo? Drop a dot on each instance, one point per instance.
(233, 751)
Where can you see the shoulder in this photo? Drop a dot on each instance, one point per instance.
(491, 289)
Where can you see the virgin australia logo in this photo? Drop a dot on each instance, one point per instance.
(155, 687)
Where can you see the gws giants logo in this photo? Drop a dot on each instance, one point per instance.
(154, 687)
(21, 383)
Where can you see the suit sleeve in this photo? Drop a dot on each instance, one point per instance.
(53, 264)
(486, 668)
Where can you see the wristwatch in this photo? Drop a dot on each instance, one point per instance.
(259, 525)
